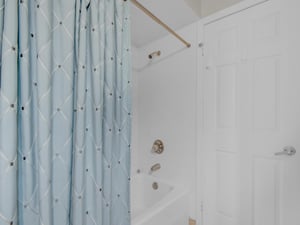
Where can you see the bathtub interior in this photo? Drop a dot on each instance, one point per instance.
(166, 205)
(143, 196)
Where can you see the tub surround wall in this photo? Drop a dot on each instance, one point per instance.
(135, 115)
(165, 102)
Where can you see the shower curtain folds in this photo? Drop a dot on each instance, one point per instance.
(65, 109)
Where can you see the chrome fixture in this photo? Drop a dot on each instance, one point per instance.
(158, 147)
(154, 168)
(288, 150)
(156, 53)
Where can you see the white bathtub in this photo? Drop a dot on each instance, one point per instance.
(168, 205)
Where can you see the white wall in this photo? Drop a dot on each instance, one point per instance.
(165, 108)
(211, 6)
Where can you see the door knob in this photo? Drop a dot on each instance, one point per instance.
(288, 150)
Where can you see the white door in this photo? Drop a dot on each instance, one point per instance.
(251, 102)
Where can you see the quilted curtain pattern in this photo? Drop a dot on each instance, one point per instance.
(65, 112)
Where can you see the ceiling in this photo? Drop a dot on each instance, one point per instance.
(175, 13)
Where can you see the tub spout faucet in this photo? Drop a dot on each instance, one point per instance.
(154, 168)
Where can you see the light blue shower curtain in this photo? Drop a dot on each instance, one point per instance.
(64, 112)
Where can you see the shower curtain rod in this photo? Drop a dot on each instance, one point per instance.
(157, 20)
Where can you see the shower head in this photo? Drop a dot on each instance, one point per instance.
(153, 54)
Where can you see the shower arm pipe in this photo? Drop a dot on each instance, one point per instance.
(157, 20)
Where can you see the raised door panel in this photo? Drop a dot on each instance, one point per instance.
(266, 72)
(266, 189)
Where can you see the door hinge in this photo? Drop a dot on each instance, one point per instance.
(201, 45)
